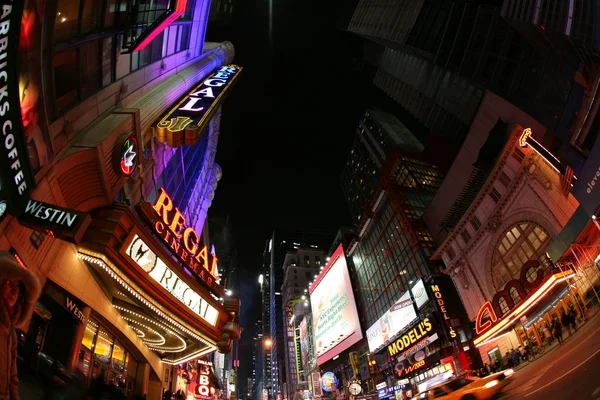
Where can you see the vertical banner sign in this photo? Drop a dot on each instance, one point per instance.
(16, 179)
(316, 383)
(298, 351)
(353, 356)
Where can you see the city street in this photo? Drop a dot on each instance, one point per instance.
(566, 372)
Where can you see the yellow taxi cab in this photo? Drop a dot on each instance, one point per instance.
(468, 387)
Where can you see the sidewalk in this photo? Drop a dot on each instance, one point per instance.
(550, 349)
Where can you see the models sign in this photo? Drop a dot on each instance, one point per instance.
(393, 321)
(334, 316)
(16, 179)
(185, 122)
(184, 242)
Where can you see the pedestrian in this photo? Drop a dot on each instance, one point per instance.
(557, 330)
(573, 319)
(19, 290)
(565, 321)
(547, 333)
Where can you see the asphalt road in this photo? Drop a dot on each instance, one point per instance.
(569, 371)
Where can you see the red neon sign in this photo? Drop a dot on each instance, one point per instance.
(184, 242)
(179, 10)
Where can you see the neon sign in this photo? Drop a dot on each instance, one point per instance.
(203, 388)
(184, 242)
(125, 155)
(439, 298)
(186, 121)
(493, 309)
(526, 140)
(145, 258)
(410, 338)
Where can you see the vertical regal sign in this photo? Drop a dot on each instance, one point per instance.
(185, 122)
(16, 179)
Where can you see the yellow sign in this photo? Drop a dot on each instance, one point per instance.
(439, 298)
(410, 338)
(185, 122)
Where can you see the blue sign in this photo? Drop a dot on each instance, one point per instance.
(328, 380)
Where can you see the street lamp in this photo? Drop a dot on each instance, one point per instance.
(268, 343)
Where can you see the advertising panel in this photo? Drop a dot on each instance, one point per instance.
(393, 321)
(303, 342)
(335, 318)
(419, 293)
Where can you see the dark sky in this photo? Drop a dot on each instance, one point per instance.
(286, 132)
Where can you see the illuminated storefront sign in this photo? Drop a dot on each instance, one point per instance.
(316, 384)
(204, 389)
(398, 317)
(185, 122)
(62, 223)
(419, 346)
(439, 299)
(329, 382)
(168, 223)
(16, 178)
(125, 156)
(146, 259)
(298, 350)
(411, 338)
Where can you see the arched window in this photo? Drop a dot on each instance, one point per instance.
(503, 306)
(514, 295)
(520, 243)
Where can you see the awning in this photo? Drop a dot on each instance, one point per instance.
(503, 325)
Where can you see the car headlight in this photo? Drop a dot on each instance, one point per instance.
(491, 384)
(508, 372)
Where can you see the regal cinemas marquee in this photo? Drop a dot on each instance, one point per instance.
(163, 279)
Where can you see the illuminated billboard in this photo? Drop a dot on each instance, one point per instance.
(393, 321)
(335, 319)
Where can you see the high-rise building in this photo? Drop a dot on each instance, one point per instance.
(437, 59)
(377, 134)
(275, 250)
(85, 87)
(300, 267)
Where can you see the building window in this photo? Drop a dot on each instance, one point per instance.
(518, 154)
(520, 243)
(466, 236)
(450, 253)
(495, 195)
(36, 239)
(504, 179)
(475, 223)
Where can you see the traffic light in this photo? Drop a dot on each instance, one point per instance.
(372, 365)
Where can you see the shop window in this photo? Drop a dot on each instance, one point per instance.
(118, 357)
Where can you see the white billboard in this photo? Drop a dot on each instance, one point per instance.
(335, 319)
(393, 321)
(419, 293)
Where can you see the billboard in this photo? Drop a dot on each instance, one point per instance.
(334, 316)
(419, 293)
(393, 321)
(303, 343)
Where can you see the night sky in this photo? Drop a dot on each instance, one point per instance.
(286, 132)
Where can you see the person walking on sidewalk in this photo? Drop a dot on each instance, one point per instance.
(19, 290)
(557, 330)
(565, 321)
(573, 319)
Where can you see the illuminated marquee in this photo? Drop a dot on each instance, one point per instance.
(168, 223)
(526, 140)
(411, 338)
(491, 311)
(185, 122)
(146, 259)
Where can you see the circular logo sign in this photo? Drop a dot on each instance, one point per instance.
(125, 155)
(328, 380)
